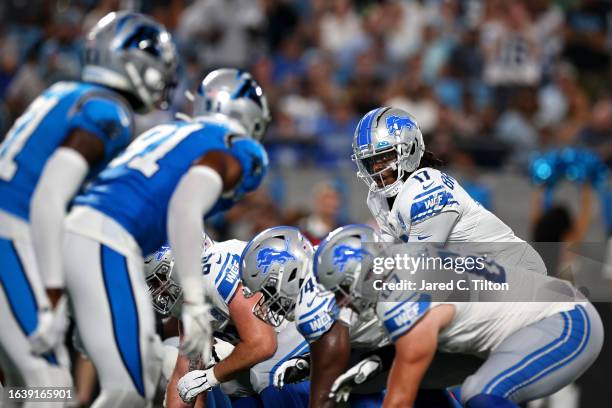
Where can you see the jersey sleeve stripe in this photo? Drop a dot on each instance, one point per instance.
(427, 192)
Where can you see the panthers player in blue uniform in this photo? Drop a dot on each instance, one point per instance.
(158, 190)
(64, 137)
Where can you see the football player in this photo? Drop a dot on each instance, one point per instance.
(291, 293)
(64, 138)
(259, 349)
(159, 190)
(412, 200)
(532, 348)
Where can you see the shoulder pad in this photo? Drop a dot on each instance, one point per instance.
(399, 317)
(421, 198)
(105, 116)
(254, 161)
(221, 264)
(316, 315)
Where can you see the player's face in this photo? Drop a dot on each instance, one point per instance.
(383, 163)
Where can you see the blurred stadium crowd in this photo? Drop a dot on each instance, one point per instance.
(482, 76)
(490, 81)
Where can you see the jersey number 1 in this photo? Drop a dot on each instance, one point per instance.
(144, 152)
(21, 132)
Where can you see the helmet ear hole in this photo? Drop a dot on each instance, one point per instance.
(292, 275)
(413, 149)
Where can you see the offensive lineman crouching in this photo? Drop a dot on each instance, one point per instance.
(258, 351)
(532, 349)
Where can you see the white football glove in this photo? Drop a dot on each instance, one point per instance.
(51, 328)
(197, 336)
(358, 374)
(196, 382)
(291, 371)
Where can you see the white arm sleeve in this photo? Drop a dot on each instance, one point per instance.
(434, 229)
(61, 178)
(195, 195)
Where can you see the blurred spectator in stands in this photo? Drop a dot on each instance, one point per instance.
(587, 39)
(407, 92)
(548, 22)
(61, 54)
(288, 63)
(102, 8)
(467, 57)
(511, 50)
(9, 61)
(597, 134)
(563, 106)
(515, 126)
(366, 83)
(221, 31)
(326, 202)
(340, 29)
(403, 24)
(335, 134)
(281, 21)
(304, 108)
(27, 83)
(321, 81)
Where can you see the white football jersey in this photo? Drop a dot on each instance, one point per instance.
(221, 278)
(480, 326)
(316, 311)
(427, 193)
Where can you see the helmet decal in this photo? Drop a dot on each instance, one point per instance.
(268, 256)
(344, 253)
(395, 124)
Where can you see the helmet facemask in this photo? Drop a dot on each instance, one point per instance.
(273, 308)
(165, 293)
(153, 72)
(398, 164)
(348, 294)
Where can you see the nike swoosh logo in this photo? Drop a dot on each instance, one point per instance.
(420, 238)
(311, 302)
(429, 185)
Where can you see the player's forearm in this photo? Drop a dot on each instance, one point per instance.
(243, 357)
(325, 370)
(172, 398)
(61, 178)
(414, 352)
(195, 195)
(402, 385)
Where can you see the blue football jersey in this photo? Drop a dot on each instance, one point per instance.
(135, 188)
(44, 126)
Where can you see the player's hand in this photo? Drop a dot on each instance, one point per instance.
(51, 328)
(291, 371)
(358, 374)
(196, 382)
(197, 338)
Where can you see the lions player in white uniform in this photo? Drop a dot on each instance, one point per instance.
(532, 349)
(259, 351)
(269, 267)
(413, 201)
